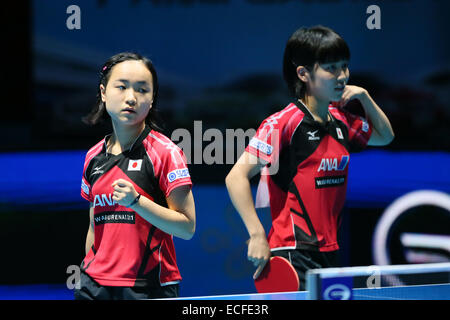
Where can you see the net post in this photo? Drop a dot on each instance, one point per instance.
(313, 285)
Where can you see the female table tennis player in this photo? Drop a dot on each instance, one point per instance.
(304, 151)
(139, 189)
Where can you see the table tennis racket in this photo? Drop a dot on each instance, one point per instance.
(278, 275)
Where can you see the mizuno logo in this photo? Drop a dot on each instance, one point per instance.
(312, 135)
(97, 170)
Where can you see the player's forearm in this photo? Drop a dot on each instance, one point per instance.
(241, 196)
(165, 219)
(380, 121)
(90, 237)
(89, 240)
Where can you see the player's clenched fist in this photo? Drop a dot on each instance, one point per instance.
(124, 192)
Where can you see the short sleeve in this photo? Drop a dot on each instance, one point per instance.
(265, 144)
(86, 190)
(174, 171)
(359, 128)
(359, 131)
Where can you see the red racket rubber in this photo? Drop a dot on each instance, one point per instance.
(278, 275)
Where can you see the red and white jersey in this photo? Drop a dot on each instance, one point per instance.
(306, 175)
(128, 250)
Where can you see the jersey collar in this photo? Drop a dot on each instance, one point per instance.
(309, 117)
(137, 142)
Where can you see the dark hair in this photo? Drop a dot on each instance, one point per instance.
(98, 113)
(307, 46)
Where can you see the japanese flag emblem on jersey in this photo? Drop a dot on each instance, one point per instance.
(339, 133)
(134, 165)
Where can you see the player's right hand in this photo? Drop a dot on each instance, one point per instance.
(258, 253)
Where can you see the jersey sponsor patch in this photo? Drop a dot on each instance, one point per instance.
(114, 217)
(325, 182)
(84, 187)
(178, 174)
(332, 164)
(365, 125)
(104, 200)
(261, 146)
(134, 165)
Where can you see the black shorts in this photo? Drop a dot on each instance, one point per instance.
(304, 260)
(91, 290)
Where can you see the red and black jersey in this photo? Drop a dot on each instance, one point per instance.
(306, 175)
(128, 250)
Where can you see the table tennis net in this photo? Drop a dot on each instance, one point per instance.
(416, 281)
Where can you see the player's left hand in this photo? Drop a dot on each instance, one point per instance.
(350, 93)
(124, 192)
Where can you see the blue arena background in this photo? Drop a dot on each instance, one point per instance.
(214, 261)
(376, 178)
(218, 61)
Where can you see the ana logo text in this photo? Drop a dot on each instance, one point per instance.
(332, 164)
(104, 200)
